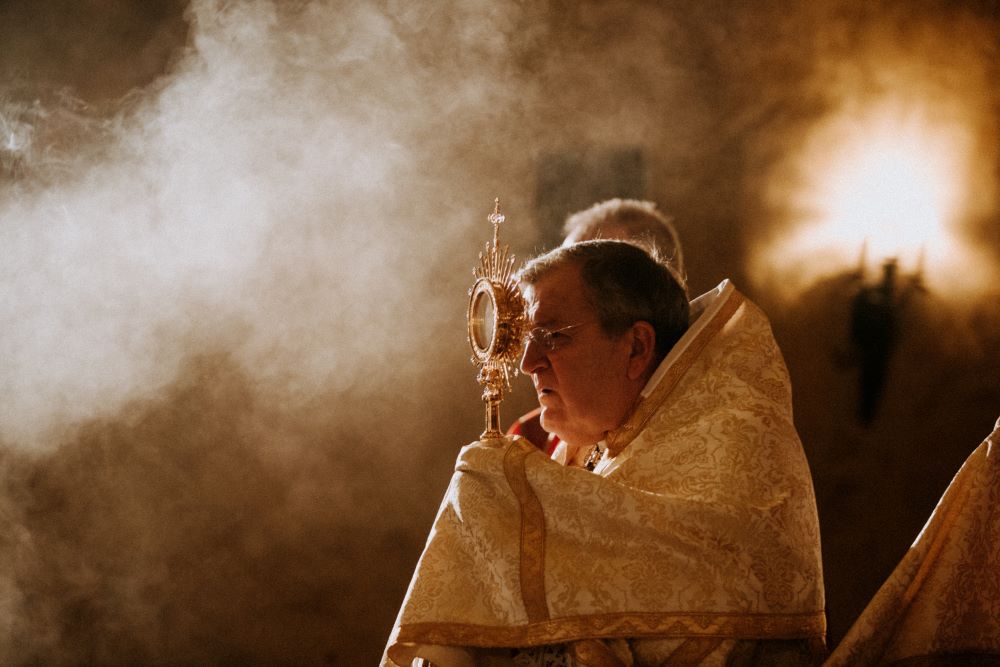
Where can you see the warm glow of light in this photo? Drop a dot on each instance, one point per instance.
(888, 182)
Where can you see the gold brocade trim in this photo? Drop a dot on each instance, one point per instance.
(622, 436)
(607, 626)
(532, 531)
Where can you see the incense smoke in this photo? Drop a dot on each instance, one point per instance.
(233, 367)
(225, 302)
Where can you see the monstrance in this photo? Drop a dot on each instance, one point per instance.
(496, 323)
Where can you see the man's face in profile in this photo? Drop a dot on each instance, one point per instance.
(581, 379)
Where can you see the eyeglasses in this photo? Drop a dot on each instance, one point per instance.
(551, 339)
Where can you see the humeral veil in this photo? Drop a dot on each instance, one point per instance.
(700, 522)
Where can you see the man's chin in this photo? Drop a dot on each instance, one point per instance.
(552, 423)
(549, 419)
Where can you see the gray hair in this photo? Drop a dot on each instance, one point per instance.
(624, 285)
(639, 222)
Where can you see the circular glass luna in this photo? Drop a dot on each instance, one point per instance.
(482, 319)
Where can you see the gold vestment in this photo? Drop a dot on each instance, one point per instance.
(701, 522)
(941, 605)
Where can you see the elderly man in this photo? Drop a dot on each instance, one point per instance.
(693, 541)
(611, 302)
(632, 220)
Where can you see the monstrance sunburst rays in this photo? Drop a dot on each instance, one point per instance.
(496, 323)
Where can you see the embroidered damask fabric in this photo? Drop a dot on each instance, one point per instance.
(701, 523)
(941, 605)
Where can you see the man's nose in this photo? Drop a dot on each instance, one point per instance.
(534, 358)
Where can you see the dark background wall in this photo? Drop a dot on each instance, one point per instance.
(237, 239)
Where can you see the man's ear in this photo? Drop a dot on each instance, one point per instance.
(643, 351)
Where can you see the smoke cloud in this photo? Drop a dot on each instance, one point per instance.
(225, 301)
(237, 239)
(271, 181)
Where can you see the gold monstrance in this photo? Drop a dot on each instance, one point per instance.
(496, 323)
